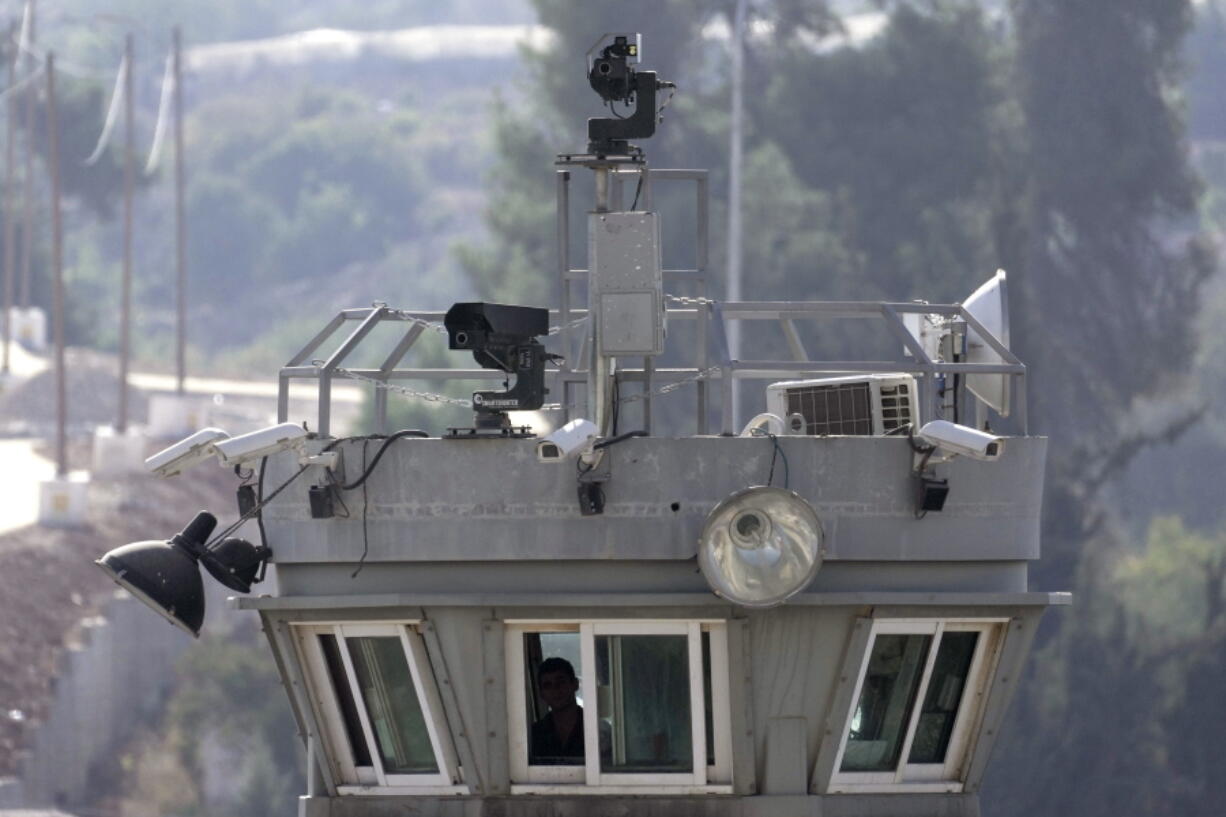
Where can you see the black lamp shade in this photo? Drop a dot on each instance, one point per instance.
(236, 563)
(163, 576)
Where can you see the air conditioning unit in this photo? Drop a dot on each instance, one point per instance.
(867, 405)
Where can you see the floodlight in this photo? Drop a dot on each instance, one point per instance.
(261, 443)
(990, 306)
(760, 546)
(186, 453)
(165, 575)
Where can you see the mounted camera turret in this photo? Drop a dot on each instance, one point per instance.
(611, 73)
(502, 337)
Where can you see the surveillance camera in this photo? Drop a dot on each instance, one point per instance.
(567, 440)
(261, 443)
(186, 453)
(959, 439)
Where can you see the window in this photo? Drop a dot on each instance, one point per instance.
(919, 693)
(621, 705)
(378, 707)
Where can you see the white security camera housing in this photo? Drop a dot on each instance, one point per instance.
(186, 453)
(262, 443)
(953, 438)
(571, 438)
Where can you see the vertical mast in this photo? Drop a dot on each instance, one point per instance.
(27, 179)
(6, 210)
(180, 226)
(57, 271)
(125, 303)
(735, 155)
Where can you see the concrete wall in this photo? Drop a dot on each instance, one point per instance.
(113, 681)
(490, 500)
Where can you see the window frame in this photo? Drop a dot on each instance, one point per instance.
(354, 779)
(925, 777)
(715, 778)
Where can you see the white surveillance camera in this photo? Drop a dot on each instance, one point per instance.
(959, 439)
(571, 438)
(262, 443)
(186, 453)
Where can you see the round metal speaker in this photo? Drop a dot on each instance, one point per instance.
(760, 546)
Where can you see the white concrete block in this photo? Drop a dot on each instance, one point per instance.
(177, 415)
(30, 327)
(116, 453)
(64, 501)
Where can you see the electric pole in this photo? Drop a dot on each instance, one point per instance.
(180, 223)
(57, 271)
(129, 164)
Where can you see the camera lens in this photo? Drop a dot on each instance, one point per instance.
(604, 67)
(461, 338)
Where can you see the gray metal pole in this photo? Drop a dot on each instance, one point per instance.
(735, 157)
(180, 226)
(27, 179)
(57, 270)
(129, 173)
(6, 210)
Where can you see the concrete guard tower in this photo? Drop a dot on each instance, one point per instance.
(824, 612)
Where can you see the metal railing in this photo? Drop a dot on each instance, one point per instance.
(726, 371)
(710, 316)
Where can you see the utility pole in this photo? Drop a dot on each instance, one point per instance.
(27, 179)
(57, 271)
(735, 155)
(180, 223)
(6, 210)
(129, 164)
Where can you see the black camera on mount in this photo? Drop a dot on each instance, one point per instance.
(503, 337)
(611, 73)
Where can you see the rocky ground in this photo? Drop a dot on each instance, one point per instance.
(49, 584)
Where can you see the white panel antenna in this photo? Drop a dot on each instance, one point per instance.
(990, 306)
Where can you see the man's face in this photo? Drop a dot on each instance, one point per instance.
(558, 689)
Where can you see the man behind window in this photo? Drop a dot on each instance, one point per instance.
(557, 738)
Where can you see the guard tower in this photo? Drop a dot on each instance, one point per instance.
(824, 612)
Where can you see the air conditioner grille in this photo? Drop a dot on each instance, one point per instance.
(845, 408)
(895, 407)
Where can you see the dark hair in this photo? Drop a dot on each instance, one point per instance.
(556, 664)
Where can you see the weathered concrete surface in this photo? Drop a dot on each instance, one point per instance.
(435, 500)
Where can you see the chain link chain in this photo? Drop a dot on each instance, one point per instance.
(705, 374)
(685, 300)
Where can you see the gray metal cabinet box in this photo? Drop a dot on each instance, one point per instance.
(626, 280)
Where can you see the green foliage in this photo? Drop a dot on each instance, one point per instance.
(232, 693)
(1131, 685)
(905, 129)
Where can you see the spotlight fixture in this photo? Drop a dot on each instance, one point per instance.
(760, 546)
(165, 577)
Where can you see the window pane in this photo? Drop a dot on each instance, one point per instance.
(879, 722)
(391, 704)
(936, 721)
(554, 706)
(344, 696)
(644, 703)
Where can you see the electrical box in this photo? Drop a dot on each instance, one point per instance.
(626, 283)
